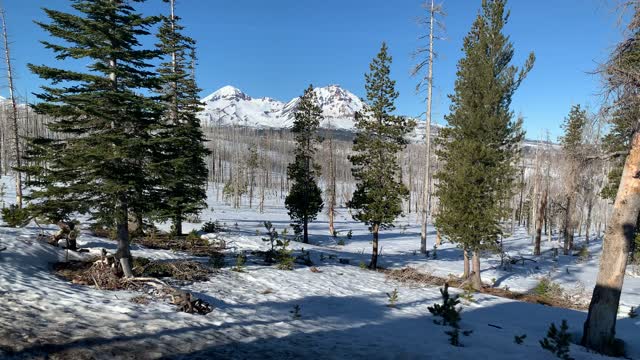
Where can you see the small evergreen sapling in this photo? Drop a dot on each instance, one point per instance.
(519, 339)
(393, 298)
(241, 259)
(270, 255)
(295, 313)
(557, 341)
(284, 257)
(633, 312)
(447, 310)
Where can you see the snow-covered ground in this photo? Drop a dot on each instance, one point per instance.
(343, 308)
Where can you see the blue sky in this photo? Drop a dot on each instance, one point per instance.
(276, 48)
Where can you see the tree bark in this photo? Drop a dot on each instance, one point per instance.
(305, 225)
(568, 227)
(588, 221)
(599, 328)
(467, 271)
(539, 221)
(375, 228)
(476, 281)
(122, 224)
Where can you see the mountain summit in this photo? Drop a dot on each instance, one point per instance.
(230, 106)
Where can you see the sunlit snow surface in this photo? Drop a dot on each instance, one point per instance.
(343, 308)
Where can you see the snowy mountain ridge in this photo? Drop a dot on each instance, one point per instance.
(230, 106)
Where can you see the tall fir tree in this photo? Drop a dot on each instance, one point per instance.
(379, 193)
(304, 200)
(479, 148)
(181, 158)
(105, 120)
(573, 150)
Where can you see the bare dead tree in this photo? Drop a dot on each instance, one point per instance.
(434, 11)
(14, 109)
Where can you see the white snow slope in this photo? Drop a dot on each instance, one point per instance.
(343, 308)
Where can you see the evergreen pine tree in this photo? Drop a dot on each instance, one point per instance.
(181, 158)
(379, 192)
(479, 148)
(304, 200)
(105, 121)
(572, 148)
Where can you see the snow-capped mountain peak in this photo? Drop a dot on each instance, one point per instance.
(230, 106)
(227, 92)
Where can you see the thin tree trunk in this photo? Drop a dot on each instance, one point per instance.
(332, 188)
(374, 254)
(467, 270)
(568, 229)
(305, 229)
(539, 221)
(427, 181)
(14, 111)
(599, 328)
(588, 222)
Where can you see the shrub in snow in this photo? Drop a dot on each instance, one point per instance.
(633, 312)
(217, 260)
(393, 298)
(295, 313)
(557, 341)
(547, 288)
(211, 227)
(467, 295)
(241, 259)
(284, 256)
(194, 239)
(304, 258)
(271, 239)
(447, 311)
(15, 216)
(583, 254)
(349, 234)
(519, 339)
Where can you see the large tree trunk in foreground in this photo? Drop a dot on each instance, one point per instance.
(599, 329)
(476, 281)
(374, 254)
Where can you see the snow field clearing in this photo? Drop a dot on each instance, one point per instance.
(343, 309)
